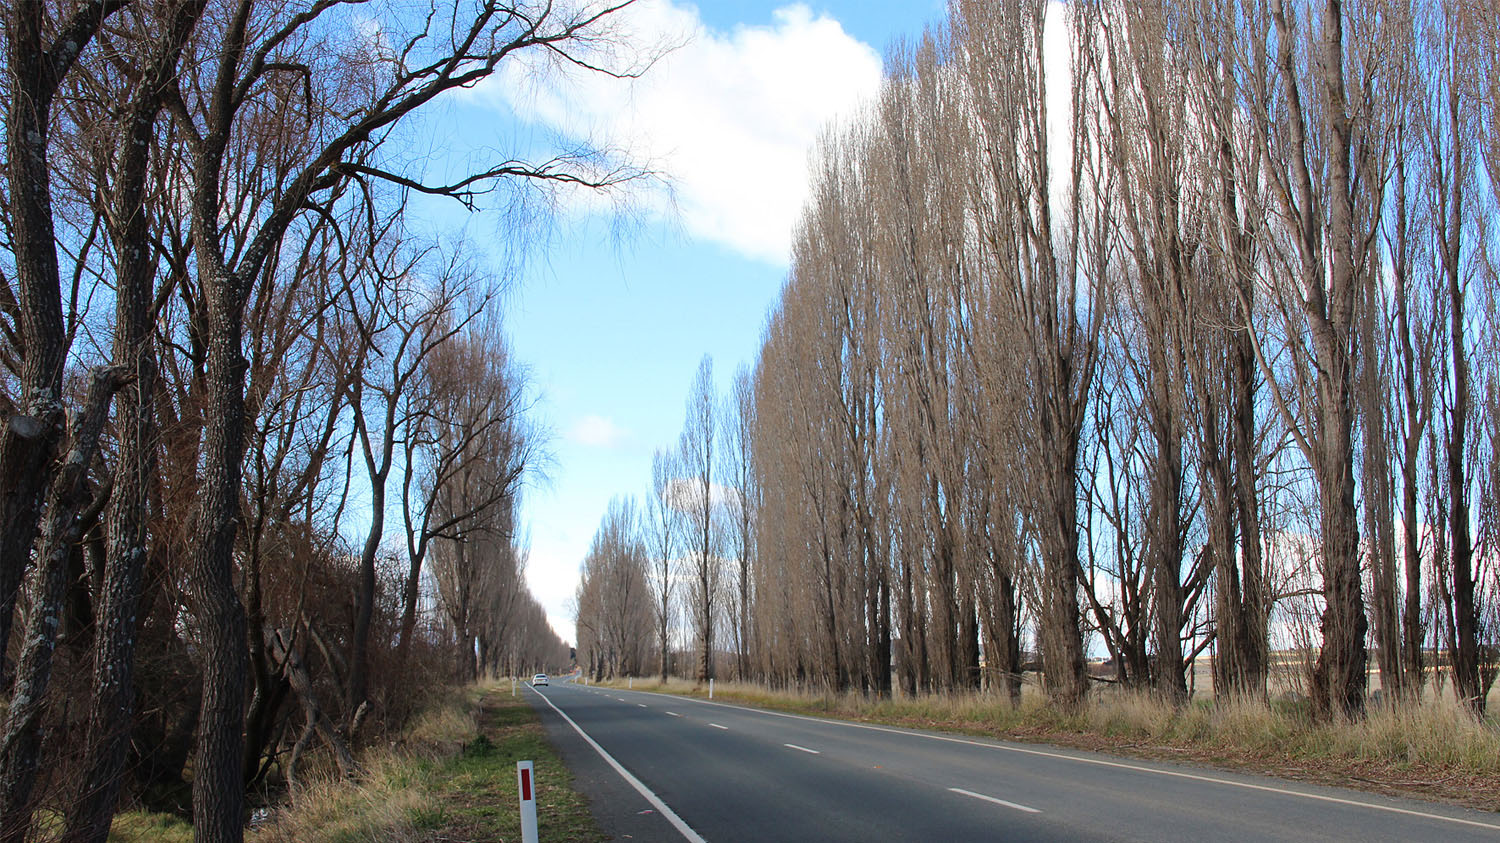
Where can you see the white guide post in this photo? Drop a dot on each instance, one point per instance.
(710, 689)
(527, 783)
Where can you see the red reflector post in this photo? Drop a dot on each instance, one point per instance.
(524, 772)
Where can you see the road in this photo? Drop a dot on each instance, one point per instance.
(711, 771)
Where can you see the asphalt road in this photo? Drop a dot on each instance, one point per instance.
(717, 772)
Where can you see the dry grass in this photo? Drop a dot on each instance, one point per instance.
(159, 828)
(450, 775)
(444, 729)
(392, 801)
(1434, 749)
(394, 797)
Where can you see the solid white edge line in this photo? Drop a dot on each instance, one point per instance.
(802, 749)
(1015, 805)
(682, 828)
(1355, 803)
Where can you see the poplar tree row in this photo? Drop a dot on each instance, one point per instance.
(686, 558)
(1134, 327)
(1166, 330)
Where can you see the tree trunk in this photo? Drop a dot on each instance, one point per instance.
(218, 765)
(1376, 491)
(1062, 637)
(364, 600)
(1253, 642)
(111, 709)
(20, 748)
(283, 652)
(1466, 679)
(30, 439)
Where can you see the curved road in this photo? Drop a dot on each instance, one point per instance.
(712, 771)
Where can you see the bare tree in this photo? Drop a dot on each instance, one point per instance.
(1450, 125)
(1304, 92)
(739, 466)
(1050, 254)
(614, 602)
(243, 55)
(40, 51)
(697, 495)
(660, 528)
(467, 453)
(403, 320)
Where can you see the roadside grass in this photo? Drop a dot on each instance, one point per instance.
(1433, 749)
(127, 827)
(141, 825)
(450, 775)
(478, 786)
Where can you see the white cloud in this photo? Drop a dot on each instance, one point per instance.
(597, 432)
(728, 117)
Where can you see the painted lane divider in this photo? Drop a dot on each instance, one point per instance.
(802, 749)
(642, 705)
(717, 726)
(1015, 805)
(673, 714)
(671, 816)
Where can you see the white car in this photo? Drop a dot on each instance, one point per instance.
(539, 679)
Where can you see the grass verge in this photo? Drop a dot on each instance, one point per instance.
(478, 787)
(1433, 750)
(451, 775)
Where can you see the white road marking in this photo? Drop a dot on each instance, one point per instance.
(1318, 797)
(1015, 805)
(717, 726)
(682, 828)
(642, 705)
(802, 748)
(674, 714)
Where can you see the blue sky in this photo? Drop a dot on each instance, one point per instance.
(612, 331)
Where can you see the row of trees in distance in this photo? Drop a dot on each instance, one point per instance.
(1166, 329)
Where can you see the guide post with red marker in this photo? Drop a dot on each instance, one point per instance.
(526, 780)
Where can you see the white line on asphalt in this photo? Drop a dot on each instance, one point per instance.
(674, 714)
(802, 748)
(682, 828)
(717, 726)
(1318, 797)
(642, 705)
(1015, 805)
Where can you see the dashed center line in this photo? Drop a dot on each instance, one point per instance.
(1015, 805)
(642, 705)
(674, 714)
(802, 748)
(717, 726)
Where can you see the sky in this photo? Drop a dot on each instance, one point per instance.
(610, 322)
